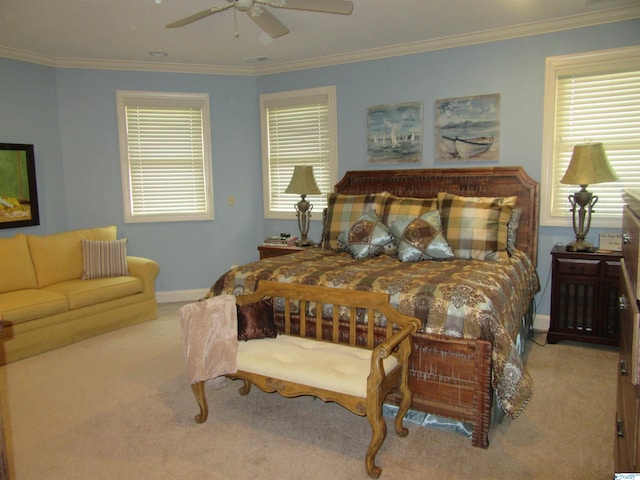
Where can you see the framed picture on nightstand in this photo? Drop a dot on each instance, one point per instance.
(611, 242)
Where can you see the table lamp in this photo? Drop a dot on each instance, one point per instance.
(303, 183)
(588, 165)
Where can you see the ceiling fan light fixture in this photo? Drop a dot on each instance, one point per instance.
(243, 5)
(257, 59)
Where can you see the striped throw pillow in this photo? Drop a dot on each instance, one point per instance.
(104, 258)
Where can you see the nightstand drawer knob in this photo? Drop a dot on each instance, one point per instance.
(626, 238)
(619, 428)
(623, 368)
(622, 302)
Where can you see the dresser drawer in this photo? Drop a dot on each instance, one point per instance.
(629, 325)
(631, 247)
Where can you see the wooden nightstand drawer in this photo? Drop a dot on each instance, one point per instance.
(572, 266)
(270, 251)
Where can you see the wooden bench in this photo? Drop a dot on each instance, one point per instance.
(315, 349)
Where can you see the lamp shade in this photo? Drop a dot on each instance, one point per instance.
(589, 165)
(303, 182)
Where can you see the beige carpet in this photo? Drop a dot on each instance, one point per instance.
(119, 407)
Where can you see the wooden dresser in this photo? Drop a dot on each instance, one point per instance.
(627, 441)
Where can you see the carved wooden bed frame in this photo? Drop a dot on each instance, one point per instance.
(458, 384)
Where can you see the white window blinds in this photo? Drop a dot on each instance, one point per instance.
(600, 108)
(596, 97)
(298, 129)
(167, 157)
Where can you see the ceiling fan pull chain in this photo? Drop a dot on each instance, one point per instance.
(235, 21)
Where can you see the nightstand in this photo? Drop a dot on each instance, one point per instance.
(269, 251)
(584, 297)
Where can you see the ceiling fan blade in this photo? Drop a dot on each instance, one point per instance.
(267, 22)
(198, 16)
(344, 7)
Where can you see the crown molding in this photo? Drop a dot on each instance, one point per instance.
(462, 40)
(442, 43)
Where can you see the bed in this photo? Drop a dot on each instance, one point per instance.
(474, 299)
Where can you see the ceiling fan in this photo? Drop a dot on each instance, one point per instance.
(263, 18)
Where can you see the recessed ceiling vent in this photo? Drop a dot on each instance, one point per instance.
(257, 59)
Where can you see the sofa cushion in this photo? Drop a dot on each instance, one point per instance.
(16, 268)
(82, 293)
(58, 257)
(28, 304)
(104, 258)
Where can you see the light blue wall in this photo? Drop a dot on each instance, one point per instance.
(70, 115)
(29, 114)
(191, 254)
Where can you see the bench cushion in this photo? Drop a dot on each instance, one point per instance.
(334, 367)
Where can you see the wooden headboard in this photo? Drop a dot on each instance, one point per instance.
(469, 182)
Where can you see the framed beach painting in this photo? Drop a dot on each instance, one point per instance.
(394, 133)
(467, 129)
(18, 194)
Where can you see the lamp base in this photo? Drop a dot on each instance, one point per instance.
(581, 246)
(305, 243)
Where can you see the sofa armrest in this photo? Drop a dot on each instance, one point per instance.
(147, 270)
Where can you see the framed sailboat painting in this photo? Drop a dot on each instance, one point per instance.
(467, 129)
(394, 133)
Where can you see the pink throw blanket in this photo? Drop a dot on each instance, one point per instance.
(210, 337)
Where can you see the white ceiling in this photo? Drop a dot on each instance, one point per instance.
(122, 33)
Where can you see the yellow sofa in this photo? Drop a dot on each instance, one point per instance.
(45, 303)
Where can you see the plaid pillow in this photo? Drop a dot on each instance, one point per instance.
(104, 258)
(403, 208)
(345, 210)
(476, 227)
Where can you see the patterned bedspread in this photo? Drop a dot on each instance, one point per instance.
(460, 298)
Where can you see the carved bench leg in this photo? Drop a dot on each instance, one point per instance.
(403, 407)
(201, 398)
(245, 388)
(378, 434)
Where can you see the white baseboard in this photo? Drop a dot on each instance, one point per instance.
(541, 323)
(180, 296)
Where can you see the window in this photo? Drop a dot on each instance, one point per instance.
(591, 97)
(165, 156)
(298, 128)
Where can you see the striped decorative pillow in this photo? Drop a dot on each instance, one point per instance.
(103, 259)
(476, 227)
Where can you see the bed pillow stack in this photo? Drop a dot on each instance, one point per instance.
(414, 229)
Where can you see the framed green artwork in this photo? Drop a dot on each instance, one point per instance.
(18, 192)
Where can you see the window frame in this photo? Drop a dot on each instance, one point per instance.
(151, 99)
(286, 98)
(588, 63)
